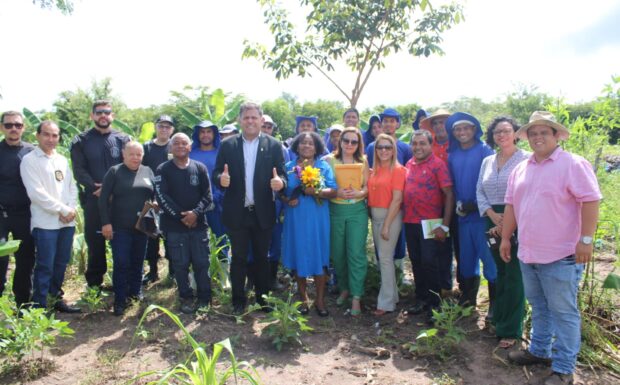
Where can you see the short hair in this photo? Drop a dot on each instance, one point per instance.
(422, 132)
(394, 152)
(250, 106)
(101, 102)
(11, 113)
(359, 152)
(319, 146)
(133, 143)
(180, 134)
(46, 122)
(352, 109)
(497, 120)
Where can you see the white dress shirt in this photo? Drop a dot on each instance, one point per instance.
(51, 189)
(250, 150)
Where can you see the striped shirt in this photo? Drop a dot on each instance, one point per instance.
(491, 186)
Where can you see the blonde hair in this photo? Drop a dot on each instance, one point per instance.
(375, 158)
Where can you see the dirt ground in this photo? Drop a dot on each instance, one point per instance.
(102, 352)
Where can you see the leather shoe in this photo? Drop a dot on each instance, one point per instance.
(419, 308)
(62, 307)
(119, 310)
(559, 379)
(524, 357)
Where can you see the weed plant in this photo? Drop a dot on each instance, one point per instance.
(93, 299)
(200, 367)
(27, 330)
(286, 323)
(442, 340)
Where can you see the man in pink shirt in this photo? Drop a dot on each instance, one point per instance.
(553, 198)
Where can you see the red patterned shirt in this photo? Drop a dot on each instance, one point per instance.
(423, 197)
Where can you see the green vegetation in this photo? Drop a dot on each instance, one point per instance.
(443, 339)
(200, 368)
(286, 323)
(27, 330)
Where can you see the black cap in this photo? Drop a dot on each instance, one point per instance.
(165, 118)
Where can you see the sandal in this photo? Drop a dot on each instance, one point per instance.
(303, 309)
(340, 301)
(506, 343)
(356, 312)
(381, 312)
(322, 312)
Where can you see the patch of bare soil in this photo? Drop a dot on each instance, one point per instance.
(342, 350)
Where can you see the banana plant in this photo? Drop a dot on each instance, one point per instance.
(212, 107)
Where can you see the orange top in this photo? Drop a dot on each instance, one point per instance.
(382, 183)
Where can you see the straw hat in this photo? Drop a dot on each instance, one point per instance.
(543, 118)
(425, 124)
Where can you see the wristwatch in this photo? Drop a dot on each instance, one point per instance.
(586, 240)
(443, 227)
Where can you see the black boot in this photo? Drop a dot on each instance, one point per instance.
(274, 284)
(492, 291)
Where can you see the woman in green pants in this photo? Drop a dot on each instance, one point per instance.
(349, 217)
(507, 300)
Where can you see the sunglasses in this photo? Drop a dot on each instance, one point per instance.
(9, 126)
(103, 112)
(349, 141)
(384, 147)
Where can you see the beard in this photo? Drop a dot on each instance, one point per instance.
(104, 126)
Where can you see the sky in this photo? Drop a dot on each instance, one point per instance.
(150, 47)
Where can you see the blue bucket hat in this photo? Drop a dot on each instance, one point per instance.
(462, 117)
(301, 118)
(390, 112)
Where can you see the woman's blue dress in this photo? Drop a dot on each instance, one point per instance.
(305, 239)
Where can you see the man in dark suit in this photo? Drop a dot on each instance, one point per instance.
(250, 169)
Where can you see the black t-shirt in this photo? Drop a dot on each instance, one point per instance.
(182, 189)
(123, 195)
(13, 196)
(92, 155)
(154, 154)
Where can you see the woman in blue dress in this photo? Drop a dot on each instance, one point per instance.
(305, 242)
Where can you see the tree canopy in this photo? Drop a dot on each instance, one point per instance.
(360, 32)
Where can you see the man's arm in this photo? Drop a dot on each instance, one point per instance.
(220, 161)
(509, 225)
(206, 202)
(79, 163)
(162, 189)
(589, 219)
(106, 193)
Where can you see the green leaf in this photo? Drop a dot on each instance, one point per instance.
(33, 120)
(612, 282)
(124, 127)
(189, 117)
(146, 132)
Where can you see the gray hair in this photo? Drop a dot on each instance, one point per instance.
(424, 133)
(134, 144)
(250, 106)
(181, 135)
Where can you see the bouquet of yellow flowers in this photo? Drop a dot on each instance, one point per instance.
(309, 177)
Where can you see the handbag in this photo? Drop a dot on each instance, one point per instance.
(148, 220)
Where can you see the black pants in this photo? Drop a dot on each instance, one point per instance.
(427, 256)
(250, 232)
(18, 224)
(97, 266)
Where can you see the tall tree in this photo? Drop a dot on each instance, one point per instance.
(64, 6)
(362, 32)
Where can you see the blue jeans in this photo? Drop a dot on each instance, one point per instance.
(53, 255)
(191, 247)
(473, 249)
(551, 290)
(128, 252)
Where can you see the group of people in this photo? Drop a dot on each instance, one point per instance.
(305, 202)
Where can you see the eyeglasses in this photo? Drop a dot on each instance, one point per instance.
(164, 126)
(350, 141)
(384, 147)
(502, 132)
(9, 126)
(103, 112)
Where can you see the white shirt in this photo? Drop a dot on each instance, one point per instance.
(250, 150)
(50, 187)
